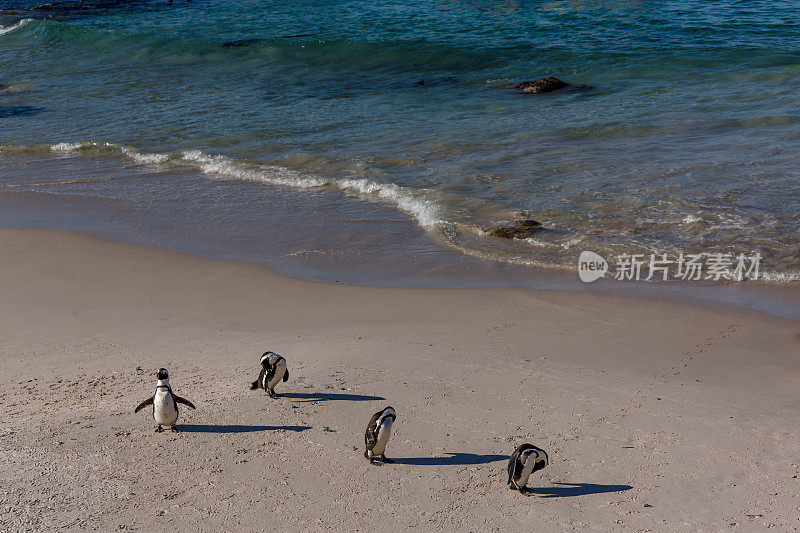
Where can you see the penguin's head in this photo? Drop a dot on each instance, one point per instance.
(389, 411)
(163, 374)
(265, 357)
(539, 457)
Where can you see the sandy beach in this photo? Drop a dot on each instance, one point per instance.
(657, 416)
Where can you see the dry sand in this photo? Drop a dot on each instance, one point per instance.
(657, 416)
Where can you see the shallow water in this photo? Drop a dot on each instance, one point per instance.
(312, 115)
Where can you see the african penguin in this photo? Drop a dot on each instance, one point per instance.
(525, 460)
(273, 370)
(164, 402)
(377, 435)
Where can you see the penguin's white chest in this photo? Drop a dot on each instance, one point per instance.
(165, 411)
(527, 468)
(280, 370)
(384, 431)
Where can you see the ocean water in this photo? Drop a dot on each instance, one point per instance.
(360, 141)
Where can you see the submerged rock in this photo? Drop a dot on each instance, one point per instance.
(544, 85)
(521, 230)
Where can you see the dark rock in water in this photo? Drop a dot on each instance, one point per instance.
(419, 83)
(544, 85)
(521, 230)
(506, 232)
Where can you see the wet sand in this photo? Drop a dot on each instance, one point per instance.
(656, 415)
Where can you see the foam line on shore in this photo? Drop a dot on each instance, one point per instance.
(424, 211)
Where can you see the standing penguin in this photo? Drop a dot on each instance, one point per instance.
(164, 402)
(525, 460)
(377, 435)
(273, 370)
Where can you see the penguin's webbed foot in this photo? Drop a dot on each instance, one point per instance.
(175, 429)
(386, 460)
(273, 394)
(159, 429)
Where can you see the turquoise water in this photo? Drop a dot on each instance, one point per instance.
(685, 138)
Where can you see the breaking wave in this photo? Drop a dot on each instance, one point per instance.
(413, 202)
(18, 25)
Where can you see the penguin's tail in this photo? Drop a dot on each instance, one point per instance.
(254, 385)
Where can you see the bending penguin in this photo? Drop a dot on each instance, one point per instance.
(525, 460)
(164, 402)
(377, 435)
(273, 370)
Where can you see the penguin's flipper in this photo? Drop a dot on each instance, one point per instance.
(184, 401)
(512, 467)
(257, 383)
(370, 438)
(144, 404)
(286, 376)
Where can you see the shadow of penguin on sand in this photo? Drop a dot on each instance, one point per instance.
(576, 489)
(328, 396)
(235, 428)
(455, 458)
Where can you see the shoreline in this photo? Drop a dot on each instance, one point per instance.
(328, 236)
(779, 300)
(654, 414)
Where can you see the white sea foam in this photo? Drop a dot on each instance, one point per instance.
(779, 276)
(18, 25)
(67, 147)
(408, 201)
(691, 219)
(572, 242)
(537, 242)
(143, 157)
(425, 212)
(729, 221)
(223, 167)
